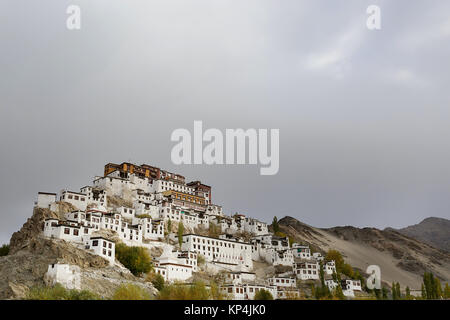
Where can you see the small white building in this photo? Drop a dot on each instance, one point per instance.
(77, 199)
(282, 282)
(246, 291)
(102, 247)
(67, 275)
(301, 251)
(331, 284)
(317, 256)
(307, 270)
(329, 267)
(65, 230)
(45, 199)
(239, 277)
(349, 286)
(171, 267)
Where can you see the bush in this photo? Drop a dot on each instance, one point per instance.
(130, 292)
(180, 291)
(157, 280)
(263, 295)
(200, 260)
(214, 230)
(4, 250)
(135, 259)
(58, 292)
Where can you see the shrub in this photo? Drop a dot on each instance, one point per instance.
(58, 292)
(4, 250)
(200, 260)
(180, 233)
(157, 280)
(263, 295)
(135, 259)
(180, 291)
(214, 230)
(130, 292)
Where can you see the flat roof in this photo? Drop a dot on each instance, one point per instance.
(48, 193)
(100, 237)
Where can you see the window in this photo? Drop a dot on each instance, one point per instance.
(75, 232)
(95, 243)
(66, 231)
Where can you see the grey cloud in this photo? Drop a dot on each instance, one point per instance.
(364, 137)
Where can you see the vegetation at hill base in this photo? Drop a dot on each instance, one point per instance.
(130, 292)
(195, 291)
(58, 292)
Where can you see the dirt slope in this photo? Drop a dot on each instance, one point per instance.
(400, 258)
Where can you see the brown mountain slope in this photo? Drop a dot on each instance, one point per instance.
(400, 258)
(434, 231)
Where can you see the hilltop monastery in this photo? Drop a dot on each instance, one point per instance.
(149, 198)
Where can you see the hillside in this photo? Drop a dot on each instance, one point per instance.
(434, 231)
(31, 255)
(400, 258)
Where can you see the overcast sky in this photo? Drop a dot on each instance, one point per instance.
(363, 115)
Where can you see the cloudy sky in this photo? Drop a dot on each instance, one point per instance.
(363, 115)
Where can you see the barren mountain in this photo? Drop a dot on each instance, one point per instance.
(400, 257)
(434, 231)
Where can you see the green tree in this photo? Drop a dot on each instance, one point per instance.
(447, 291)
(424, 292)
(431, 286)
(180, 233)
(384, 293)
(438, 290)
(398, 293)
(341, 266)
(338, 293)
(377, 293)
(263, 295)
(321, 274)
(394, 291)
(4, 250)
(135, 259)
(275, 225)
(408, 294)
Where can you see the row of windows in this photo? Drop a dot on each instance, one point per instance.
(70, 197)
(217, 243)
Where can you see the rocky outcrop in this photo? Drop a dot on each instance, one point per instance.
(31, 254)
(34, 226)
